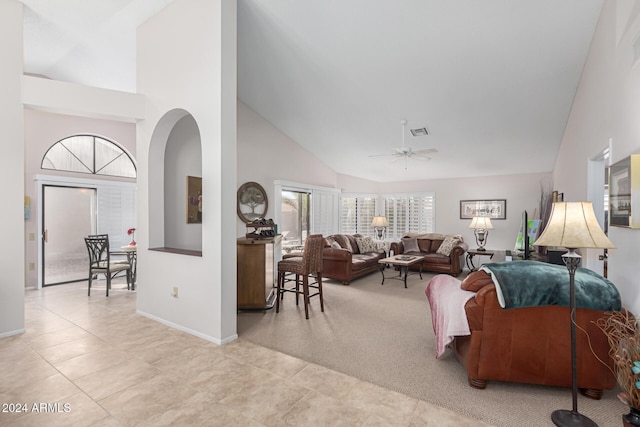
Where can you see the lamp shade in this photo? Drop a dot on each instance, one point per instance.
(379, 221)
(573, 225)
(481, 222)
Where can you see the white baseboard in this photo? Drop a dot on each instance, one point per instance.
(189, 331)
(12, 333)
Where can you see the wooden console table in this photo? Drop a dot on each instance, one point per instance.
(256, 272)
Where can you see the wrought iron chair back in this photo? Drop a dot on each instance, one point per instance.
(100, 261)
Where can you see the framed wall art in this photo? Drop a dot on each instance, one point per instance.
(624, 190)
(194, 200)
(494, 209)
(252, 202)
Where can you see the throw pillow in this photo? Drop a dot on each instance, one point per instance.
(447, 245)
(410, 244)
(366, 245)
(335, 245)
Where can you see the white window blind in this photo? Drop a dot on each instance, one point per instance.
(412, 212)
(356, 214)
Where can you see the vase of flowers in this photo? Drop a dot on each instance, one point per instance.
(132, 233)
(621, 330)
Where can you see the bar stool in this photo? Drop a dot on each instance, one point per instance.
(309, 264)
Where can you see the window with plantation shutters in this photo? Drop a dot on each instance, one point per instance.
(325, 204)
(409, 213)
(356, 214)
(116, 212)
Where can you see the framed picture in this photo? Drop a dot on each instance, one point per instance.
(252, 202)
(494, 209)
(194, 200)
(624, 183)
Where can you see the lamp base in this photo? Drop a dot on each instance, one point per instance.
(567, 418)
(481, 249)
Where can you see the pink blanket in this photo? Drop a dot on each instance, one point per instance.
(447, 302)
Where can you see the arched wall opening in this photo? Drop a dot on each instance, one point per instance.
(175, 154)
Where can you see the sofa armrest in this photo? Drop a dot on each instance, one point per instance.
(336, 254)
(397, 248)
(486, 295)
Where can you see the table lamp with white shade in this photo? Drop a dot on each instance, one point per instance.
(380, 224)
(481, 226)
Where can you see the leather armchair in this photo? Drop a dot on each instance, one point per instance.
(530, 345)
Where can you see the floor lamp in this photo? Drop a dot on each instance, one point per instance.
(573, 225)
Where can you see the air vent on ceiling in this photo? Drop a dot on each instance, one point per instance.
(420, 132)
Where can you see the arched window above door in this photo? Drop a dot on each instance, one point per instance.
(89, 154)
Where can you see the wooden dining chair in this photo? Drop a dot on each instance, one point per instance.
(100, 261)
(309, 264)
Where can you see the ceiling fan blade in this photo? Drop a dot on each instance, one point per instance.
(381, 155)
(426, 151)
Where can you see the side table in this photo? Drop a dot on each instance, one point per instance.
(472, 252)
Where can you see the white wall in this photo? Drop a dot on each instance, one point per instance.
(41, 131)
(11, 171)
(187, 60)
(183, 157)
(266, 155)
(522, 192)
(83, 101)
(607, 107)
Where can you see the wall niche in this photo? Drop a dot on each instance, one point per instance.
(175, 154)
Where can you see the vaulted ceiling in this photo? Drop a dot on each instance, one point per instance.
(493, 81)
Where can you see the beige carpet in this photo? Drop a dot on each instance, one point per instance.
(383, 334)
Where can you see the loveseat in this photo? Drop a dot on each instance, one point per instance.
(442, 253)
(526, 344)
(344, 260)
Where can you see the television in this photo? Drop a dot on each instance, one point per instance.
(525, 235)
(523, 241)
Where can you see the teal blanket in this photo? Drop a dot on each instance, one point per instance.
(533, 283)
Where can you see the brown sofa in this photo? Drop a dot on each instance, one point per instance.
(433, 261)
(346, 262)
(530, 344)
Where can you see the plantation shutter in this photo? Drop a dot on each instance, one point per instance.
(325, 208)
(356, 214)
(348, 215)
(116, 213)
(409, 213)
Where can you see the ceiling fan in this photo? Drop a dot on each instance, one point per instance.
(405, 152)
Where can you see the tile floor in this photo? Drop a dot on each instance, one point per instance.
(91, 361)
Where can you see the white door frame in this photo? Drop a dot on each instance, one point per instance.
(595, 193)
(59, 180)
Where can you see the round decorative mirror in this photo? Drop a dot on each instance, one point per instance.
(252, 202)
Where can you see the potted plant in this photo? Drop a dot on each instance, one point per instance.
(621, 330)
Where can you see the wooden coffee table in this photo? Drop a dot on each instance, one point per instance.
(403, 262)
